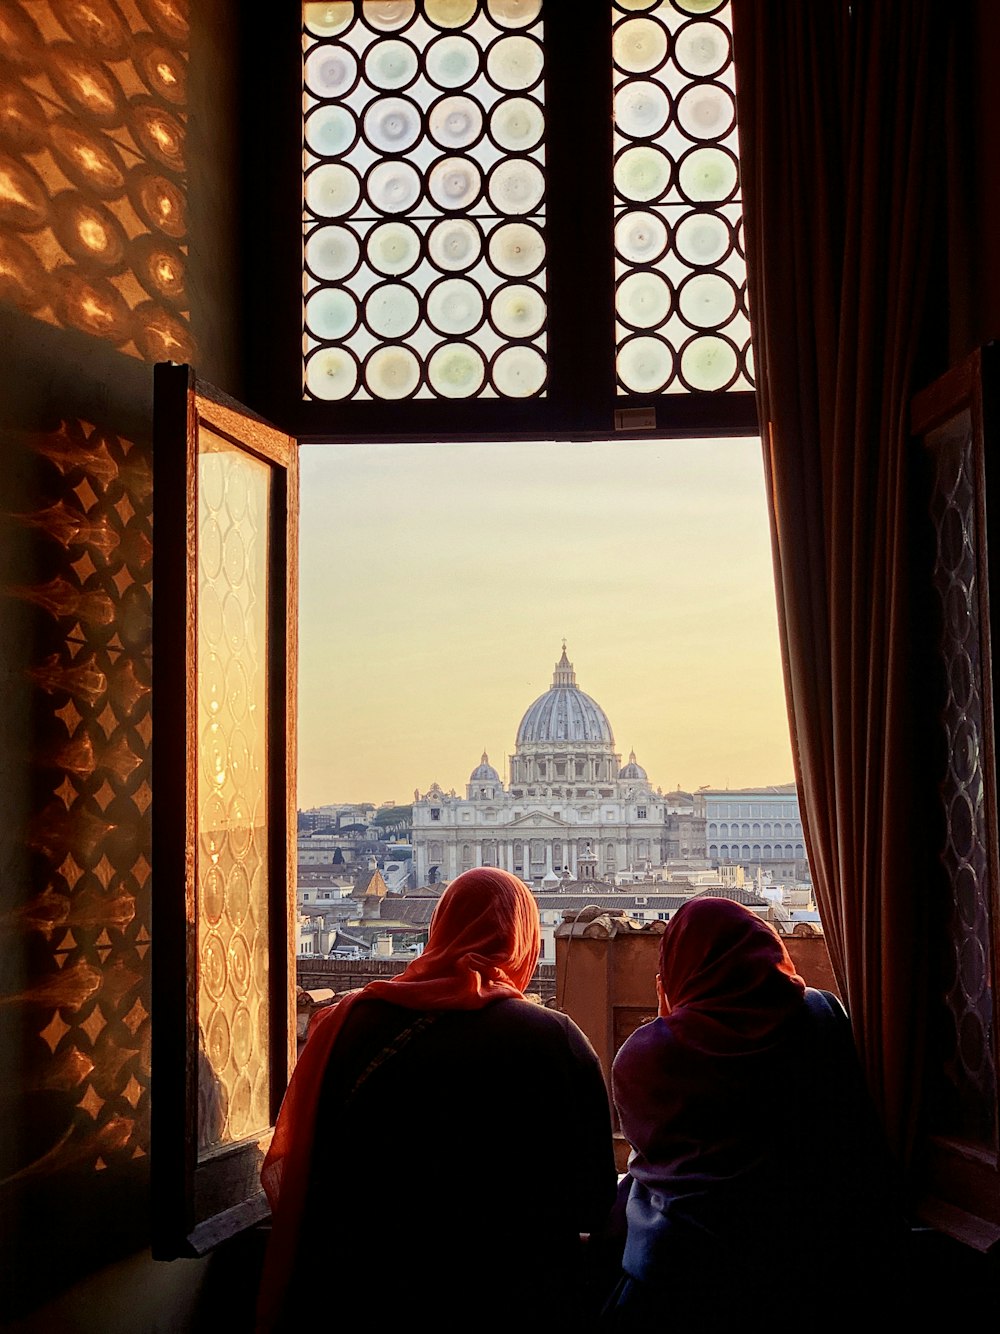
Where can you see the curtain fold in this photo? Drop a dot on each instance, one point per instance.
(841, 113)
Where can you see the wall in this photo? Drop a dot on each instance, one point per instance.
(116, 250)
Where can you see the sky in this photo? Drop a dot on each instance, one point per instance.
(437, 583)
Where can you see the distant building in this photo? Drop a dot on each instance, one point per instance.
(755, 826)
(570, 804)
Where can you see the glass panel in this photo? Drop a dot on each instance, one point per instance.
(234, 493)
(424, 196)
(680, 272)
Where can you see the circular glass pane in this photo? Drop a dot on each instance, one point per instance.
(642, 108)
(455, 306)
(643, 299)
(517, 124)
(454, 183)
(702, 238)
(328, 19)
(452, 62)
(392, 372)
(517, 311)
(331, 313)
(516, 186)
(515, 63)
(707, 300)
(332, 190)
(455, 370)
(392, 310)
(708, 362)
(640, 237)
(513, 13)
(392, 124)
(701, 49)
(706, 111)
(393, 248)
(454, 244)
(707, 175)
(213, 895)
(332, 252)
(331, 70)
(517, 249)
(518, 372)
(642, 173)
(455, 122)
(330, 130)
(391, 64)
(450, 13)
(639, 45)
(393, 187)
(387, 15)
(331, 373)
(645, 365)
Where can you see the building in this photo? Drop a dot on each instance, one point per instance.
(569, 802)
(756, 826)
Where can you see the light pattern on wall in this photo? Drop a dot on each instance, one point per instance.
(84, 996)
(968, 995)
(93, 225)
(424, 197)
(680, 272)
(234, 1070)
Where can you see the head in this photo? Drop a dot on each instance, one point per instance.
(714, 951)
(491, 917)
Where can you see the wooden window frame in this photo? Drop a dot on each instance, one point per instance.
(582, 402)
(197, 1204)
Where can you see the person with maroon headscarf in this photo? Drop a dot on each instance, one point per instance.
(756, 1162)
(443, 1142)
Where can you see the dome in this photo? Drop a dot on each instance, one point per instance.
(484, 772)
(564, 713)
(633, 770)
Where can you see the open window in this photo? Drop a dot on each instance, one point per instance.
(224, 719)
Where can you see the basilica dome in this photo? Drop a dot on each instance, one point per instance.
(484, 772)
(564, 714)
(633, 770)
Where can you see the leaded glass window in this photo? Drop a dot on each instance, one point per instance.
(424, 199)
(518, 217)
(681, 320)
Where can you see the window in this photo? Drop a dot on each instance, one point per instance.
(435, 813)
(640, 813)
(439, 223)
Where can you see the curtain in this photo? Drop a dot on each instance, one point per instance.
(842, 124)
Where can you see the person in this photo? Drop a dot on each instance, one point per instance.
(757, 1163)
(442, 1137)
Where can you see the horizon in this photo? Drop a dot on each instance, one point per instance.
(438, 582)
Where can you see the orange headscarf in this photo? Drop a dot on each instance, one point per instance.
(482, 945)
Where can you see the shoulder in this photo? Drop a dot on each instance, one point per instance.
(650, 1042)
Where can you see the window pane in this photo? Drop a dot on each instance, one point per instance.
(233, 1011)
(424, 199)
(680, 272)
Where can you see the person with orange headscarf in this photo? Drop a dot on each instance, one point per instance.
(441, 1135)
(756, 1156)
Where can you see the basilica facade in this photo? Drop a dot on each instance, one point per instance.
(569, 806)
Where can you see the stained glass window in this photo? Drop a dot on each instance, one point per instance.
(424, 199)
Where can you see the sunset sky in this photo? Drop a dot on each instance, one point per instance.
(438, 582)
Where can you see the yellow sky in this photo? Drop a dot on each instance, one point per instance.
(438, 582)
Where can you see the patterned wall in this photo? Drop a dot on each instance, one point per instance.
(83, 921)
(93, 225)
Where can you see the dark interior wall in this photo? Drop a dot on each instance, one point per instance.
(118, 248)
